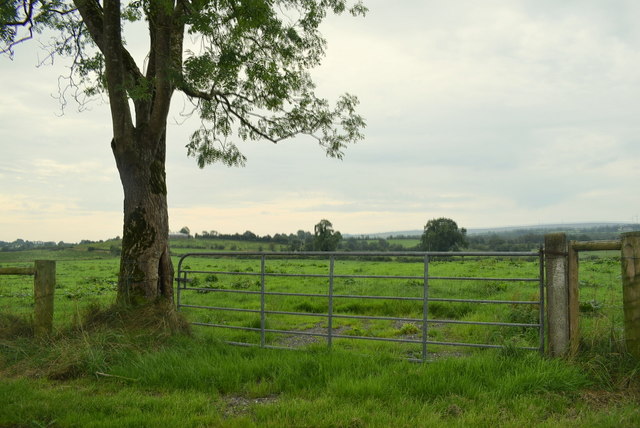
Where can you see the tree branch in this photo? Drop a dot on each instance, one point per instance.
(93, 17)
(28, 8)
(230, 110)
(112, 49)
(161, 60)
(28, 15)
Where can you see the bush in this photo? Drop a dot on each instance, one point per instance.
(408, 329)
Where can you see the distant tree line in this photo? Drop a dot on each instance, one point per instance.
(531, 239)
(301, 240)
(22, 245)
(324, 238)
(305, 241)
(441, 234)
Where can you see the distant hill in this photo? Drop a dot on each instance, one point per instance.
(384, 235)
(568, 227)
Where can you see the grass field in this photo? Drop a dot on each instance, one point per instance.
(117, 371)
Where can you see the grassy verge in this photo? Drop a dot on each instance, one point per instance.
(144, 376)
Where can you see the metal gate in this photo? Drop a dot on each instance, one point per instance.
(251, 295)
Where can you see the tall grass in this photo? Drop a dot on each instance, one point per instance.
(125, 379)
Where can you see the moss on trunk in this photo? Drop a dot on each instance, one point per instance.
(146, 271)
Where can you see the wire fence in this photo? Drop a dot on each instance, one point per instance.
(601, 319)
(80, 286)
(16, 294)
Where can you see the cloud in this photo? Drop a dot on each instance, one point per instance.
(88, 171)
(491, 113)
(53, 219)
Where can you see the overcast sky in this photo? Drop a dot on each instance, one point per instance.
(493, 113)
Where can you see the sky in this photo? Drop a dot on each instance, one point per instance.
(493, 113)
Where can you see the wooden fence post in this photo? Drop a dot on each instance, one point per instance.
(44, 284)
(557, 282)
(631, 291)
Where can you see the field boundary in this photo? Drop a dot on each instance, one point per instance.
(561, 261)
(44, 284)
(185, 285)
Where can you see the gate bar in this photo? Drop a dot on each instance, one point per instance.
(263, 321)
(541, 306)
(425, 308)
(330, 309)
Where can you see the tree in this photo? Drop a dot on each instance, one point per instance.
(325, 238)
(249, 236)
(186, 231)
(246, 73)
(442, 234)
(300, 241)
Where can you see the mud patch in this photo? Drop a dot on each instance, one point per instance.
(302, 340)
(236, 406)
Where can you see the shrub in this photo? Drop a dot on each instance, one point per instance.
(408, 329)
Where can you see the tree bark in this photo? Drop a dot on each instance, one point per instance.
(146, 271)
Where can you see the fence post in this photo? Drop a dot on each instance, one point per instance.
(557, 276)
(44, 284)
(631, 290)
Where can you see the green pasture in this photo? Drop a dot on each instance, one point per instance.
(132, 374)
(406, 243)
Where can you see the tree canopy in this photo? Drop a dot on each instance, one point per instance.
(443, 234)
(244, 65)
(324, 237)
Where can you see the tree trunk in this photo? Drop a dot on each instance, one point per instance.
(146, 271)
(139, 142)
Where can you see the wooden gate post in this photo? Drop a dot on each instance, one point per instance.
(557, 281)
(631, 291)
(44, 284)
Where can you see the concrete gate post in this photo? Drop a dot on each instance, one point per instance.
(556, 249)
